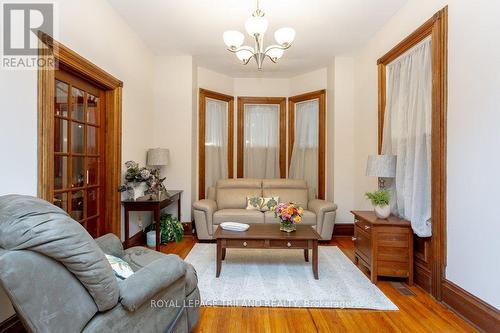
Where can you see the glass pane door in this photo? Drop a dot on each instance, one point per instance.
(78, 151)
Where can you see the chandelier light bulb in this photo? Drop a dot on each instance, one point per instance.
(233, 38)
(275, 53)
(284, 36)
(244, 54)
(256, 25)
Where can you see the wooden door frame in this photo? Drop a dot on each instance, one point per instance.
(203, 95)
(56, 54)
(321, 96)
(241, 128)
(437, 28)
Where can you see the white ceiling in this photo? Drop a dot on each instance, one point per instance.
(325, 28)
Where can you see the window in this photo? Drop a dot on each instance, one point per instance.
(306, 141)
(261, 137)
(215, 139)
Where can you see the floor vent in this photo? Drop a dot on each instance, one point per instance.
(403, 290)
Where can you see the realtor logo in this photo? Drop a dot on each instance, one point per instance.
(21, 25)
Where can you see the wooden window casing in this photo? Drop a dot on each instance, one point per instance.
(203, 95)
(320, 95)
(281, 101)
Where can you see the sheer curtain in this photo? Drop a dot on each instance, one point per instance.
(261, 141)
(304, 162)
(407, 134)
(216, 125)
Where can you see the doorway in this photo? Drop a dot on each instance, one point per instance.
(79, 138)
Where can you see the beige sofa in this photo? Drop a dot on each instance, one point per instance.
(227, 201)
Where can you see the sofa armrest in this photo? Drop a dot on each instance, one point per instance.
(150, 280)
(207, 205)
(111, 244)
(320, 207)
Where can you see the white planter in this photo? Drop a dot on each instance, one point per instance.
(151, 238)
(383, 212)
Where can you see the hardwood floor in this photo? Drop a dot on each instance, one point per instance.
(417, 313)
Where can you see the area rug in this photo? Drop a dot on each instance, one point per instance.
(281, 278)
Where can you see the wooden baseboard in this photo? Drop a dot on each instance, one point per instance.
(346, 229)
(422, 277)
(479, 313)
(12, 325)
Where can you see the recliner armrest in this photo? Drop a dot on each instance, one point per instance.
(111, 244)
(319, 206)
(150, 280)
(207, 205)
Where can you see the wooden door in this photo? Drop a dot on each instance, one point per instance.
(79, 150)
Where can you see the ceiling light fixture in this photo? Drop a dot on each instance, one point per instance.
(256, 27)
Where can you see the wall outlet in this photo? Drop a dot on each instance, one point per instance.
(139, 223)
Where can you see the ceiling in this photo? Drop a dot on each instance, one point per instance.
(325, 28)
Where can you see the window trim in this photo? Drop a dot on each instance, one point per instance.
(321, 96)
(281, 101)
(203, 95)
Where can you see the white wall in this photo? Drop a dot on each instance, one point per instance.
(342, 145)
(109, 43)
(210, 80)
(473, 132)
(261, 87)
(173, 117)
(308, 82)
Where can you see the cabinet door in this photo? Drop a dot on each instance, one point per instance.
(362, 243)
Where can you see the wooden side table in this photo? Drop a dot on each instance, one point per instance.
(385, 247)
(145, 204)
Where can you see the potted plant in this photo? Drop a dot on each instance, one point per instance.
(141, 180)
(289, 214)
(171, 229)
(380, 201)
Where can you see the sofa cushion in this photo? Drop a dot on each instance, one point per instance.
(233, 193)
(289, 190)
(238, 215)
(308, 218)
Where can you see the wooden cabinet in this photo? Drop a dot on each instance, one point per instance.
(385, 247)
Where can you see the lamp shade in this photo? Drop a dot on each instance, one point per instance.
(383, 166)
(256, 25)
(158, 157)
(233, 38)
(284, 36)
(275, 53)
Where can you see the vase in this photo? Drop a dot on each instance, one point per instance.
(137, 191)
(151, 238)
(383, 212)
(287, 226)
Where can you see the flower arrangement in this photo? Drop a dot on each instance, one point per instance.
(136, 175)
(289, 214)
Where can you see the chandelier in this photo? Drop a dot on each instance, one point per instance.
(256, 27)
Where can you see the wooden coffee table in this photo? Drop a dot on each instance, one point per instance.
(269, 236)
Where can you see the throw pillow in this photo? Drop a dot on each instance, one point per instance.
(254, 203)
(120, 267)
(269, 203)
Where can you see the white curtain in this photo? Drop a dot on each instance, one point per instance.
(407, 134)
(261, 141)
(216, 126)
(304, 162)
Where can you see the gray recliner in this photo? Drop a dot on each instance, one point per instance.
(59, 280)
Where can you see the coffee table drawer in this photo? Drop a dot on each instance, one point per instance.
(254, 243)
(292, 244)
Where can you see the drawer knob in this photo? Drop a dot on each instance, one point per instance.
(354, 238)
(289, 244)
(245, 244)
(367, 227)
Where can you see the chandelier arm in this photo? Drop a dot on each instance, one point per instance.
(275, 46)
(274, 61)
(244, 47)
